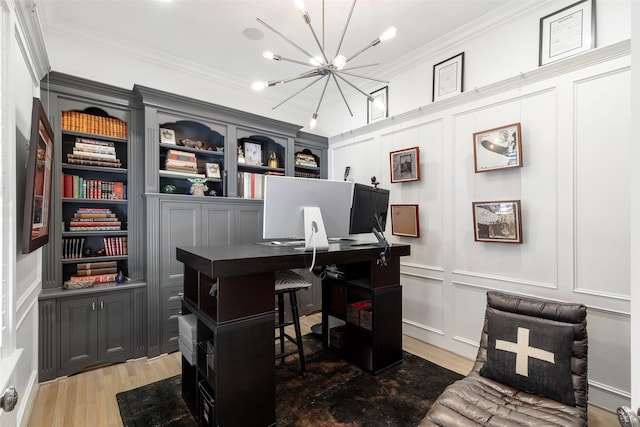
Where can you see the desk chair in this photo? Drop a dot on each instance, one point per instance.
(288, 282)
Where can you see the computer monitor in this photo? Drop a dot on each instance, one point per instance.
(369, 209)
(290, 202)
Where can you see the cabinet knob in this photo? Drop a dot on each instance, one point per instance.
(9, 399)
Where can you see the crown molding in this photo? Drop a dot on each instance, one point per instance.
(33, 40)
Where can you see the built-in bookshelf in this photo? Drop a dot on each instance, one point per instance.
(257, 156)
(94, 192)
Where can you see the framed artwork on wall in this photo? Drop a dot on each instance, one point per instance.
(448, 77)
(37, 199)
(497, 221)
(405, 165)
(567, 32)
(404, 220)
(498, 148)
(379, 109)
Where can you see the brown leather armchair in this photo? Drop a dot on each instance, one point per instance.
(555, 382)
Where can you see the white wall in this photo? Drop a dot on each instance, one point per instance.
(574, 188)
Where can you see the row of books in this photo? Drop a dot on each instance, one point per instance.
(87, 123)
(251, 184)
(302, 174)
(92, 152)
(116, 246)
(181, 161)
(94, 219)
(77, 187)
(72, 247)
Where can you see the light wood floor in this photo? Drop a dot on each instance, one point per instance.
(88, 398)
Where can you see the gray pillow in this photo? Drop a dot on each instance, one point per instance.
(530, 354)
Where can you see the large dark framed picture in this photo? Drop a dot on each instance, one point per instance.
(405, 165)
(498, 148)
(567, 32)
(497, 221)
(37, 200)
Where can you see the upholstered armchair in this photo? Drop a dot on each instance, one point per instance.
(530, 370)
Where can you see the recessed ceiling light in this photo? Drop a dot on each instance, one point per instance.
(253, 33)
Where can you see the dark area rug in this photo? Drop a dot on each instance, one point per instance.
(334, 393)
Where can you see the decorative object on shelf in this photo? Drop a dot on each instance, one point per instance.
(253, 153)
(88, 252)
(198, 186)
(405, 220)
(448, 78)
(497, 221)
(323, 67)
(169, 189)
(212, 170)
(120, 277)
(167, 136)
(306, 158)
(405, 165)
(39, 169)
(190, 143)
(241, 159)
(273, 160)
(567, 32)
(498, 148)
(378, 110)
(78, 284)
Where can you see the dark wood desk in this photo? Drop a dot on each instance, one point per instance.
(235, 353)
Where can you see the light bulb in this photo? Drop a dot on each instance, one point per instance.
(267, 54)
(300, 5)
(339, 62)
(258, 85)
(388, 34)
(316, 61)
(314, 121)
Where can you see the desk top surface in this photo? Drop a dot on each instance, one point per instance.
(220, 261)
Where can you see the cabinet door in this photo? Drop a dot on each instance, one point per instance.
(217, 224)
(169, 322)
(180, 225)
(114, 326)
(248, 227)
(78, 338)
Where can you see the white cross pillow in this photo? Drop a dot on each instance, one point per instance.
(530, 354)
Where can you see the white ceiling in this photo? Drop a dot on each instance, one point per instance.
(210, 34)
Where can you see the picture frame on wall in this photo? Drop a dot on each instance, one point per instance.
(567, 32)
(405, 220)
(498, 221)
(405, 165)
(379, 108)
(498, 148)
(448, 77)
(39, 169)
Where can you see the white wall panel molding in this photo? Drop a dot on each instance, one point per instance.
(28, 297)
(423, 327)
(497, 279)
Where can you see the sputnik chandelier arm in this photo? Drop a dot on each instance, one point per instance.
(323, 67)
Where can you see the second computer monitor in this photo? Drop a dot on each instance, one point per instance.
(369, 209)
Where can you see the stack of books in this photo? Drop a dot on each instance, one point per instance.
(181, 161)
(94, 219)
(308, 160)
(92, 152)
(99, 272)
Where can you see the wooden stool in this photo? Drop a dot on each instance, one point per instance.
(288, 282)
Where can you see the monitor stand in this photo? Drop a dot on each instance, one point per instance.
(315, 235)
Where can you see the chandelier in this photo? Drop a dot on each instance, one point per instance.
(324, 67)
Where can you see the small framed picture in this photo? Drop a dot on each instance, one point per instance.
(448, 78)
(167, 136)
(405, 165)
(212, 170)
(252, 153)
(379, 108)
(567, 32)
(497, 221)
(404, 220)
(498, 148)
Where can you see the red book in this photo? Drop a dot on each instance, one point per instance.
(67, 186)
